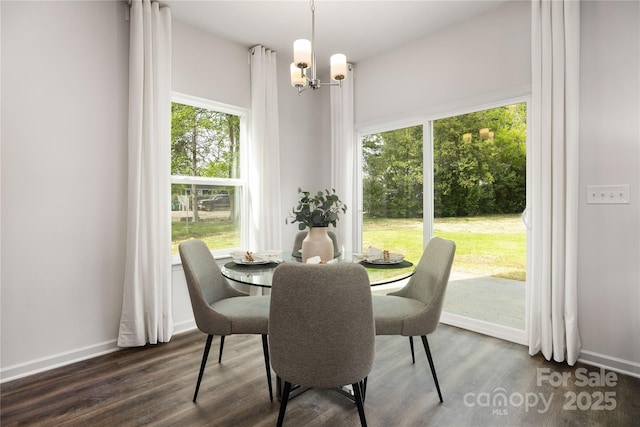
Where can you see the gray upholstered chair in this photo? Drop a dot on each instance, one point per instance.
(219, 308)
(297, 243)
(415, 309)
(321, 329)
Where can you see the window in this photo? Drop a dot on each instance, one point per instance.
(208, 190)
(461, 177)
(479, 186)
(392, 192)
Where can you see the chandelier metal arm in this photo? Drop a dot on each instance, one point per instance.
(317, 84)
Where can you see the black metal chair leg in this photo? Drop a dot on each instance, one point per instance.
(267, 365)
(359, 402)
(221, 347)
(205, 355)
(283, 402)
(363, 387)
(433, 369)
(413, 356)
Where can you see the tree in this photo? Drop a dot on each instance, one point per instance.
(479, 166)
(392, 173)
(480, 172)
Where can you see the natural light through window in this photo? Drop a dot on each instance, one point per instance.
(479, 179)
(207, 191)
(392, 189)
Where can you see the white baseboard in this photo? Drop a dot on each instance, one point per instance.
(179, 328)
(622, 366)
(22, 370)
(36, 366)
(611, 363)
(486, 328)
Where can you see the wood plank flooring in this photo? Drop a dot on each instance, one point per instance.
(484, 381)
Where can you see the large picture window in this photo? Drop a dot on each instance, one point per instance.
(208, 189)
(461, 177)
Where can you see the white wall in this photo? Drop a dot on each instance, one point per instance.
(609, 257)
(209, 67)
(64, 107)
(489, 57)
(481, 57)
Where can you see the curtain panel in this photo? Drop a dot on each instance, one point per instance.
(344, 157)
(265, 216)
(146, 306)
(553, 302)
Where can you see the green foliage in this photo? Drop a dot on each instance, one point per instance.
(204, 142)
(473, 174)
(478, 174)
(392, 173)
(318, 211)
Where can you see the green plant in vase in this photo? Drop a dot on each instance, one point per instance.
(319, 210)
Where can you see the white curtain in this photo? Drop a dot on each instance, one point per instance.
(343, 158)
(553, 311)
(146, 306)
(266, 218)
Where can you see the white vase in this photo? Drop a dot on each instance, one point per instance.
(317, 243)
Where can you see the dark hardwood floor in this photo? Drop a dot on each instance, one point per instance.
(484, 381)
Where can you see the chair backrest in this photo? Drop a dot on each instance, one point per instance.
(429, 281)
(321, 327)
(205, 282)
(297, 243)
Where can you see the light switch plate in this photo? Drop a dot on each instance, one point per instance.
(608, 194)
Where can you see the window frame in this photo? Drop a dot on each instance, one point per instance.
(241, 183)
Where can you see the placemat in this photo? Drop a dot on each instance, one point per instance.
(403, 264)
(233, 266)
(297, 254)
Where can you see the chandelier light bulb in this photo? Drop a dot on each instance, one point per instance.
(338, 66)
(302, 53)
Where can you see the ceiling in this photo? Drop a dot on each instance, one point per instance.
(359, 29)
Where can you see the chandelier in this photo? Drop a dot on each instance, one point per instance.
(304, 58)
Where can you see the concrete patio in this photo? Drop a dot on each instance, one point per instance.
(491, 299)
(487, 298)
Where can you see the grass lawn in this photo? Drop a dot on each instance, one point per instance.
(489, 245)
(215, 233)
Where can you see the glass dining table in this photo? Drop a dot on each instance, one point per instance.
(261, 274)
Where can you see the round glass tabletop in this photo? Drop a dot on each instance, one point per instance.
(262, 274)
